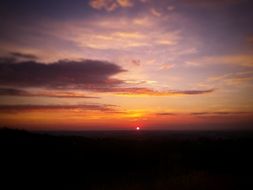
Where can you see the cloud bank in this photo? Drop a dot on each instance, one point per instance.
(63, 78)
(58, 75)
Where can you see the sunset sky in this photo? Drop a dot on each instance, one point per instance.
(122, 64)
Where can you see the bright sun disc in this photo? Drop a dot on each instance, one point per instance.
(137, 128)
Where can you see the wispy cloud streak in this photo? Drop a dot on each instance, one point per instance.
(83, 107)
(51, 94)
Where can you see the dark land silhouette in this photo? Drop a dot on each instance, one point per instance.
(127, 160)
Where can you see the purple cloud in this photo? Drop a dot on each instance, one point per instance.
(83, 107)
(65, 74)
(52, 94)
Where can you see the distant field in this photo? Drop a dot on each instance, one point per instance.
(127, 159)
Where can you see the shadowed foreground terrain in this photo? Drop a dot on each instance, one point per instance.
(127, 160)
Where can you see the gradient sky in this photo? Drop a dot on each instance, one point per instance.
(119, 64)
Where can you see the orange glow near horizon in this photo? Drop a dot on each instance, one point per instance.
(99, 120)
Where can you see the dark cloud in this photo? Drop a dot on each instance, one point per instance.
(136, 62)
(79, 108)
(219, 113)
(120, 91)
(23, 55)
(204, 114)
(191, 92)
(199, 113)
(52, 94)
(65, 74)
(166, 114)
(151, 92)
(12, 92)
